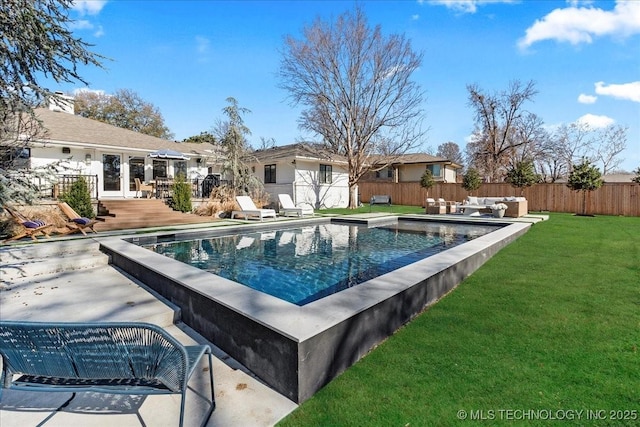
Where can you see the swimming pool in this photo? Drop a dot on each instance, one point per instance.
(303, 264)
(297, 349)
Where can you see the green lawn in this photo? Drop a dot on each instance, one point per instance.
(550, 325)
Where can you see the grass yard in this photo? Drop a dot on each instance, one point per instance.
(549, 327)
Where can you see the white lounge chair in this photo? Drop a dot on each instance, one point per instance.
(249, 209)
(288, 207)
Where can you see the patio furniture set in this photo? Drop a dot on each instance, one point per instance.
(513, 207)
(248, 208)
(32, 228)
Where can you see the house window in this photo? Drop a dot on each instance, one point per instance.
(21, 157)
(325, 174)
(436, 170)
(180, 168)
(136, 170)
(270, 174)
(159, 169)
(388, 172)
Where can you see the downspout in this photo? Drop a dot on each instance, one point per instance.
(293, 184)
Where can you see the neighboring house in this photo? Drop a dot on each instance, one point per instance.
(114, 155)
(411, 167)
(308, 174)
(619, 177)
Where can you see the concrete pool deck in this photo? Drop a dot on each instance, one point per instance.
(71, 281)
(49, 284)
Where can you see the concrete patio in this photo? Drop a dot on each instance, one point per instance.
(70, 280)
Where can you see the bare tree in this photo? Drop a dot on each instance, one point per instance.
(356, 86)
(497, 117)
(124, 109)
(530, 137)
(550, 162)
(610, 142)
(572, 143)
(450, 151)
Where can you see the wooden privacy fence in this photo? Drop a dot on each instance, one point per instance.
(610, 199)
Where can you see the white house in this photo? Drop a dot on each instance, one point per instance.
(307, 173)
(114, 156)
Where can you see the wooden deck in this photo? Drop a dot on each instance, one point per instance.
(121, 214)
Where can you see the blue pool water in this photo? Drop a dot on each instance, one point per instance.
(304, 264)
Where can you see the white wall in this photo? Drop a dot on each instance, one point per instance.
(309, 190)
(300, 181)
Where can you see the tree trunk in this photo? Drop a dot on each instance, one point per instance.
(353, 195)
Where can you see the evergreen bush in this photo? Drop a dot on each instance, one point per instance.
(522, 175)
(181, 200)
(585, 177)
(79, 198)
(471, 181)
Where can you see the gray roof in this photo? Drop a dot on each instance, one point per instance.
(418, 158)
(64, 127)
(296, 151)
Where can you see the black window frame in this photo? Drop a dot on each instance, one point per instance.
(269, 174)
(325, 175)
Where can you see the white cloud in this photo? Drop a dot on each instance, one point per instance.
(595, 122)
(581, 24)
(202, 44)
(587, 99)
(415, 17)
(628, 91)
(99, 31)
(80, 24)
(88, 7)
(463, 6)
(84, 89)
(203, 47)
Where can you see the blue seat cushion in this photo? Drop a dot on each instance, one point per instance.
(81, 221)
(33, 224)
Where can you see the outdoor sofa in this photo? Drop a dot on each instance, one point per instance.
(516, 206)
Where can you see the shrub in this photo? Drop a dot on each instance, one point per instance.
(79, 198)
(471, 180)
(181, 200)
(522, 175)
(426, 180)
(585, 177)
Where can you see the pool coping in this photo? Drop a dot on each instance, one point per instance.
(298, 349)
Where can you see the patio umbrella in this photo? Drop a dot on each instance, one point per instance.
(168, 154)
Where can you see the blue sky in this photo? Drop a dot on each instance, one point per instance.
(187, 57)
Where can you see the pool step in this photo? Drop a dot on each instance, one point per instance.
(50, 258)
(63, 281)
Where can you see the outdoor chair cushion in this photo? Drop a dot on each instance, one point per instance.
(33, 224)
(81, 221)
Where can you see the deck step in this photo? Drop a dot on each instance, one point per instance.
(119, 214)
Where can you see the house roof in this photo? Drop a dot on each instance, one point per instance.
(69, 128)
(416, 158)
(619, 177)
(306, 151)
